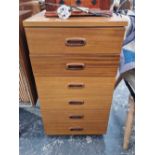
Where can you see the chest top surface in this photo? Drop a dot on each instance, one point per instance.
(39, 20)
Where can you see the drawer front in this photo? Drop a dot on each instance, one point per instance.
(77, 102)
(74, 92)
(74, 115)
(75, 128)
(75, 65)
(46, 41)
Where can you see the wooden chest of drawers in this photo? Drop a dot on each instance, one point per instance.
(75, 63)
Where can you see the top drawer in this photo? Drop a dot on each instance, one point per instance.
(46, 41)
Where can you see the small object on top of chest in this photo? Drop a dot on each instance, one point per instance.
(64, 11)
(96, 5)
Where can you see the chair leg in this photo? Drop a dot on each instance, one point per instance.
(129, 123)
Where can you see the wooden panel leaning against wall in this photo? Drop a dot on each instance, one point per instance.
(34, 5)
(27, 88)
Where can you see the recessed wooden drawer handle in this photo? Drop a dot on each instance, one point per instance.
(74, 102)
(75, 66)
(76, 116)
(73, 42)
(75, 85)
(76, 129)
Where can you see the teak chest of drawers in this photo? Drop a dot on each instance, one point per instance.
(75, 63)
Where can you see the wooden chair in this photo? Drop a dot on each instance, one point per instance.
(129, 78)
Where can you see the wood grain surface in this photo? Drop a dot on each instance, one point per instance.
(55, 93)
(48, 41)
(75, 63)
(27, 83)
(91, 127)
(92, 65)
(39, 20)
(82, 115)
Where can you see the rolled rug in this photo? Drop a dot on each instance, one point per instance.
(127, 58)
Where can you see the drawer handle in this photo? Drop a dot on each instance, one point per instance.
(73, 42)
(75, 66)
(76, 85)
(74, 102)
(76, 129)
(76, 116)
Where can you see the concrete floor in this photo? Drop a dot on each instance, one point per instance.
(33, 141)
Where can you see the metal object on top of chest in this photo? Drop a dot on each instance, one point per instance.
(92, 4)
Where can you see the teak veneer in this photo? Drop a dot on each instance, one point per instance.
(75, 62)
